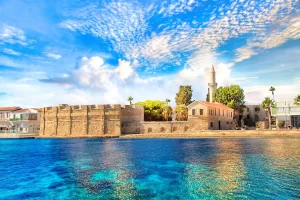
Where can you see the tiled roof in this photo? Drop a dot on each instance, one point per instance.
(215, 105)
(9, 108)
(37, 109)
(21, 110)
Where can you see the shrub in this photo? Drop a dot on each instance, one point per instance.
(281, 124)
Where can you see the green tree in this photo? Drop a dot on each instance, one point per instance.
(130, 99)
(297, 100)
(184, 95)
(167, 101)
(181, 112)
(155, 110)
(249, 121)
(231, 96)
(272, 89)
(267, 104)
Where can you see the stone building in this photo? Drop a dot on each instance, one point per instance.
(255, 112)
(210, 116)
(6, 111)
(22, 120)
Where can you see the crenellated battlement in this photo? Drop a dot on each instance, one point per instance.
(76, 107)
(96, 119)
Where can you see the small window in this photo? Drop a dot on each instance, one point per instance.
(231, 114)
(248, 110)
(162, 129)
(201, 111)
(211, 124)
(193, 112)
(149, 130)
(227, 122)
(230, 122)
(174, 129)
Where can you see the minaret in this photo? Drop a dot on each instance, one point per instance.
(212, 85)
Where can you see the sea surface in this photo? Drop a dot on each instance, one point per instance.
(150, 169)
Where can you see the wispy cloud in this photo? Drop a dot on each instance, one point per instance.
(176, 7)
(8, 62)
(12, 35)
(241, 80)
(290, 29)
(125, 25)
(53, 56)
(11, 52)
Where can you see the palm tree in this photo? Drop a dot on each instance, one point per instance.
(267, 104)
(167, 112)
(130, 99)
(272, 89)
(167, 101)
(297, 100)
(181, 112)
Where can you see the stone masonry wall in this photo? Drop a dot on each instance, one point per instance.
(164, 127)
(78, 121)
(131, 117)
(101, 120)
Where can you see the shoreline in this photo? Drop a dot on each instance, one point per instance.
(199, 134)
(221, 134)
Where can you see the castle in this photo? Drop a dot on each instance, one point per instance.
(114, 120)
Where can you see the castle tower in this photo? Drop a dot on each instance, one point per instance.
(212, 85)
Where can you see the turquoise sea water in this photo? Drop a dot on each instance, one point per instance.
(150, 169)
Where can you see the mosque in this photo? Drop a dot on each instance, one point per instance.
(217, 115)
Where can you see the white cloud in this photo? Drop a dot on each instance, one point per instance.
(12, 35)
(8, 62)
(242, 80)
(11, 52)
(126, 26)
(255, 94)
(121, 23)
(124, 70)
(176, 7)
(244, 53)
(274, 39)
(92, 73)
(53, 56)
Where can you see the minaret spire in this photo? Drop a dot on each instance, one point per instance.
(212, 85)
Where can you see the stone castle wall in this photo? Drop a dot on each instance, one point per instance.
(107, 120)
(131, 117)
(87, 120)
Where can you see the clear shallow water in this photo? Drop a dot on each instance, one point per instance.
(150, 169)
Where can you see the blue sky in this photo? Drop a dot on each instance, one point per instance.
(87, 52)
